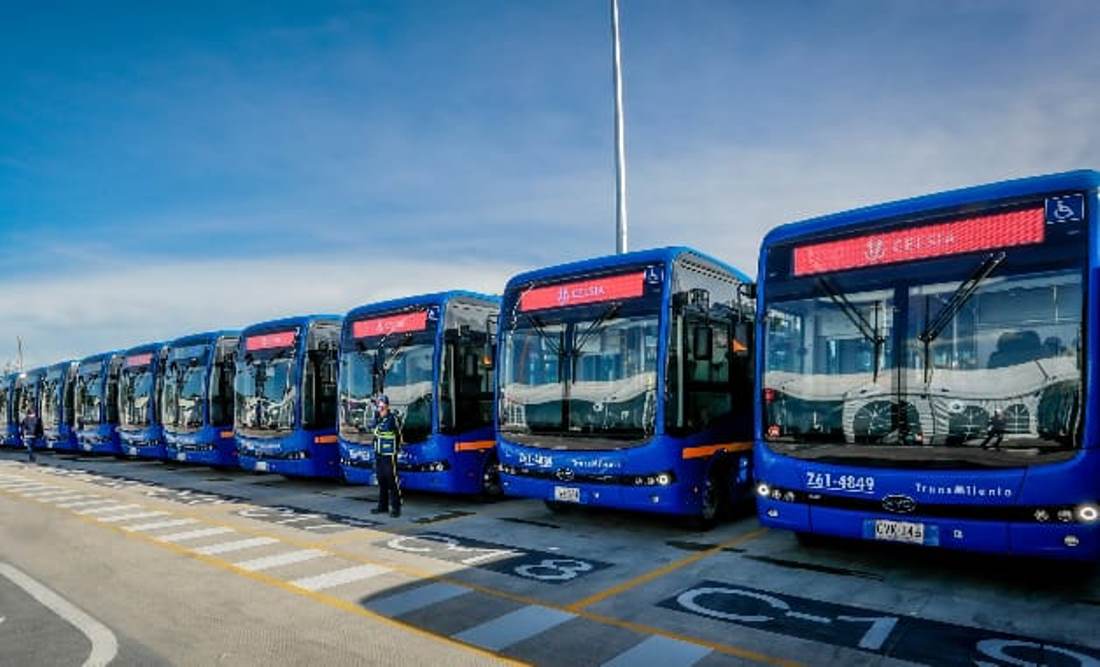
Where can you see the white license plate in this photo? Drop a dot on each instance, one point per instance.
(261, 466)
(181, 456)
(899, 531)
(133, 451)
(567, 494)
(87, 448)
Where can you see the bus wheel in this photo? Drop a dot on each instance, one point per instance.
(714, 503)
(490, 479)
(810, 540)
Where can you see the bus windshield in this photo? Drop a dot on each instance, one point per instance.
(978, 364)
(184, 388)
(90, 391)
(398, 365)
(136, 384)
(581, 377)
(264, 393)
(52, 386)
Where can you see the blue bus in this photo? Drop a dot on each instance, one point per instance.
(29, 393)
(97, 403)
(59, 406)
(923, 371)
(196, 406)
(428, 355)
(140, 382)
(285, 396)
(625, 382)
(9, 437)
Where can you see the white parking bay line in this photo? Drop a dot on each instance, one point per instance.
(278, 560)
(340, 577)
(170, 523)
(40, 493)
(195, 534)
(238, 545)
(130, 516)
(109, 508)
(85, 503)
(514, 627)
(417, 598)
(659, 652)
(104, 643)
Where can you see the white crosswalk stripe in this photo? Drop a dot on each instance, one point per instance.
(195, 534)
(278, 560)
(109, 508)
(49, 491)
(85, 503)
(156, 525)
(238, 545)
(340, 577)
(130, 516)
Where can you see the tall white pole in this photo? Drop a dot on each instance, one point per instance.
(620, 142)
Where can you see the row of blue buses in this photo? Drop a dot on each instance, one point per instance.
(911, 372)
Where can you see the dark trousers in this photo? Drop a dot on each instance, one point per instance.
(385, 469)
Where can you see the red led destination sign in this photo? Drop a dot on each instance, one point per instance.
(416, 320)
(625, 286)
(982, 232)
(139, 359)
(270, 341)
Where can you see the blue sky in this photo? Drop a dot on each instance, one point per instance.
(170, 169)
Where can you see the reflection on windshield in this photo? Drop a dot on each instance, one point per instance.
(580, 374)
(135, 394)
(89, 397)
(51, 400)
(401, 368)
(264, 394)
(184, 389)
(1001, 370)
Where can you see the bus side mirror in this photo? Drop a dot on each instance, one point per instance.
(702, 342)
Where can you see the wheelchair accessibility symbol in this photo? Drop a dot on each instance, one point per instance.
(1068, 208)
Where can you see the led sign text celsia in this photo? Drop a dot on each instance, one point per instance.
(625, 286)
(390, 324)
(982, 232)
(270, 341)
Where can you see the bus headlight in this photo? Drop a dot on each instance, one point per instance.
(664, 479)
(763, 489)
(1042, 516)
(1088, 513)
(1065, 516)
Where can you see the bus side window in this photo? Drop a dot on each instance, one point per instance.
(113, 370)
(319, 379)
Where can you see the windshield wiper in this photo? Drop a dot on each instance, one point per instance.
(869, 332)
(954, 304)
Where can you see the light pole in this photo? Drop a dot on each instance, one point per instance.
(620, 142)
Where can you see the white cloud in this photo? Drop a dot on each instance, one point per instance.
(78, 315)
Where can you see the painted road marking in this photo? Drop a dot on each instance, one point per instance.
(109, 508)
(195, 534)
(72, 495)
(238, 545)
(340, 577)
(417, 598)
(55, 491)
(104, 643)
(514, 627)
(170, 523)
(279, 560)
(84, 503)
(127, 517)
(659, 652)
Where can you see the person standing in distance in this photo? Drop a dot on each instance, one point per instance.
(30, 428)
(387, 439)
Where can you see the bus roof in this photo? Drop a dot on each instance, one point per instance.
(62, 364)
(147, 347)
(296, 321)
(432, 299)
(663, 255)
(102, 356)
(945, 202)
(204, 337)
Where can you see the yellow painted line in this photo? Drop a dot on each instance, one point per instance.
(446, 577)
(710, 450)
(661, 571)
